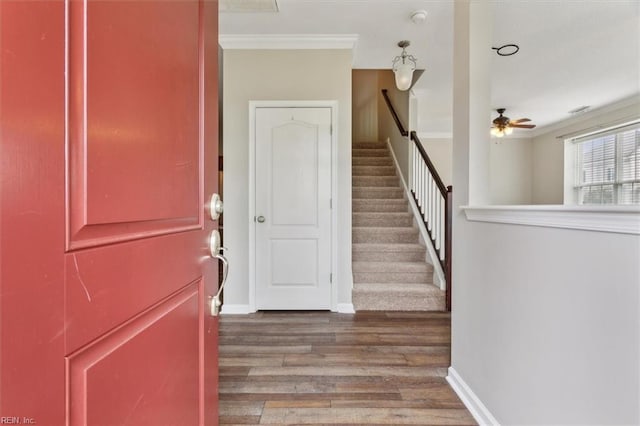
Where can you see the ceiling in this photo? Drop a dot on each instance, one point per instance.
(572, 53)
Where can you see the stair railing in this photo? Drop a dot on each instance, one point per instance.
(433, 198)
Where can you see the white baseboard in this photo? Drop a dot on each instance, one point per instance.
(235, 309)
(477, 409)
(345, 308)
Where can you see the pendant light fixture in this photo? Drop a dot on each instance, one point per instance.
(403, 67)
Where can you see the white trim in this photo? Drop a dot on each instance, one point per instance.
(478, 410)
(236, 309)
(616, 219)
(333, 105)
(288, 41)
(435, 262)
(345, 308)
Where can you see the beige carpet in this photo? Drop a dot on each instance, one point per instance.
(390, 271)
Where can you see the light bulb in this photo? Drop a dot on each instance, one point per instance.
(508, 130)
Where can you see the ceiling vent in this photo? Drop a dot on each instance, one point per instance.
(248, 6)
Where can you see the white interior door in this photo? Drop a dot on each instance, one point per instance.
(293, 208)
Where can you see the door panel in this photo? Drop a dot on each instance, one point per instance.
(132, 111)
(95, 305)
(294, 262)
(294, 171)
(293, 194)
(105, 271)
(129, 376)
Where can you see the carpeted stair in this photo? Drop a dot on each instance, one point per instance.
(389, 268)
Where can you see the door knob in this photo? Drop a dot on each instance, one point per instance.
(215, 250)
(216, 207)
(260, 219)
(214, 243)
(215, 302)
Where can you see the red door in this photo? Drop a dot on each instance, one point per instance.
(108, 127)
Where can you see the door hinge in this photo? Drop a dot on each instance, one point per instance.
(331, 129)
(331, 278)
(330, 203)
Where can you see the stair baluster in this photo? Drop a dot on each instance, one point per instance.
(433, 198)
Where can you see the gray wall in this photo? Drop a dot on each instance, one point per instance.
(280, 75)
(365, 105)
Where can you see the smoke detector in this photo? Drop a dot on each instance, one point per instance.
(419, 16)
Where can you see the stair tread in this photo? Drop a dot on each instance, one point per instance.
(380, 187)
(382, 267)
(380, 200)
(402, 287)
(383, 214)
(387, 228)
(389, 247)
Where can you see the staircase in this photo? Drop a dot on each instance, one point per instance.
(389, 268)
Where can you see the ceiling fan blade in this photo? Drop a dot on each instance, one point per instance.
(521, 120)
(523, 126)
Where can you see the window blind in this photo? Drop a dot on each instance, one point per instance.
(608, 166)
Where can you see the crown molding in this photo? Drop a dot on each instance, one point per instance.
(288, 41)
(586, 116)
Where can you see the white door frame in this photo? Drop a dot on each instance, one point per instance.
(253, 105)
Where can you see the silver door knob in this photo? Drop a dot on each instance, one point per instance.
(215, 207)
(260, 219)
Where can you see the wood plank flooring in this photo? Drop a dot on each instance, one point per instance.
(319, 368)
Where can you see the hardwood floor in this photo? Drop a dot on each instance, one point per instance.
(314, 368)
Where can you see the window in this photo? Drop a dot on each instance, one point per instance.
(608, 166)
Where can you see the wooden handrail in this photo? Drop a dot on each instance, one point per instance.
(403, 132)
(445, 191)
(414, 137)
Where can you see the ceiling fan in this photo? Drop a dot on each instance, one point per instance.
(504, 125)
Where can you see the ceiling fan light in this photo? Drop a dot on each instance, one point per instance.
(495, 131)
(508, 130)
(404, 76)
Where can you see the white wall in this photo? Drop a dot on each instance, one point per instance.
(280, 75)
(511, 167)
(545, 321)
(439, 151)
(510, 172)
(548, 148)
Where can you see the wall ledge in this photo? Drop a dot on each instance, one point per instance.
(616, 219)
